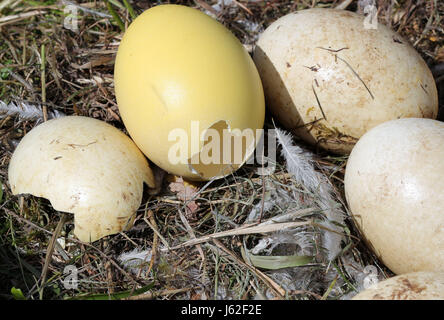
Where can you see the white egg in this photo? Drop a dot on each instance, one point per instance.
(394, 184)
(330, 78)
(86, 167)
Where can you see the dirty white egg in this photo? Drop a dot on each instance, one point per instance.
(86, 167)
(185, 85)
(330, 77)
(394, 182)
(410, 286)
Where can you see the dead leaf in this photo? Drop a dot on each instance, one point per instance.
(100, 61)
(184, 192)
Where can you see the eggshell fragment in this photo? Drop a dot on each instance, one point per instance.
(179, 75)
(86, 167)
(411, 286)
(329, 77)
(393, 183)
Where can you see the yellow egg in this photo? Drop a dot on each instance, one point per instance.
(179, 72)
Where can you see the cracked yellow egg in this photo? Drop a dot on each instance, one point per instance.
(410, 286)
(331, 75)
(394, 182)
(188, 92)
(86, 167)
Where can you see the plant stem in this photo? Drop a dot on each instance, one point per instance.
(130, 9)
(115, 15)
(50, 250)
(43, 81)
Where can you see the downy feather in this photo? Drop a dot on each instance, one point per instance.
(300, 165)
(26, 111)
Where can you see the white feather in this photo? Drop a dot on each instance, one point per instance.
(25, 111)
(299, 162)
(300, 165)
(135, 259)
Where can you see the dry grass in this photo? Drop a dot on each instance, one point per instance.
(48, 66)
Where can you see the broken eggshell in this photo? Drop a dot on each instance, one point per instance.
(86, 167)
(410, 286)
(330, 77)
(181, 79)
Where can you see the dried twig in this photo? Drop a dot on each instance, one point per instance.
(252, 228)
(343, 5)
(18, 17)
(50, 250)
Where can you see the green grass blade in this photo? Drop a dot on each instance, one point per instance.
(17, 294)
(117, 4)
(330, 288)
(115, 15)
(277, 262)
(130, 9)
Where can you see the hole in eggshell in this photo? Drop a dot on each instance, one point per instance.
(224, 151)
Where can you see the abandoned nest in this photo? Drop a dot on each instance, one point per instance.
(220, 243)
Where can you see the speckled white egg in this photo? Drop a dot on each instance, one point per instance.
(411, 286)
(330, 77)
(394, 184)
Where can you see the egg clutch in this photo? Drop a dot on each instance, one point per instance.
(185, 85)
